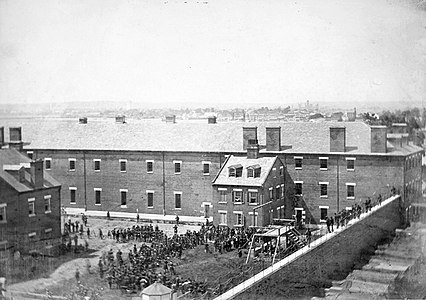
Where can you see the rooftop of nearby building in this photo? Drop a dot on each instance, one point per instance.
(263, 163)
(11, 163)
(155, 135)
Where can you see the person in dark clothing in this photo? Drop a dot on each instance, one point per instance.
(309, 237)
(328, 223)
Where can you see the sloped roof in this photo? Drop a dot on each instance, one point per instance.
(265, 163)
(155, 135)
(10, 157)
(156, 289)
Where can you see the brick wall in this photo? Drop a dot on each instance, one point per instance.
(19, 224)
(373, 175)
(332, 260)
(192, 182)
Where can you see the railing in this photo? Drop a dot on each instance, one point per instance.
(292, 257)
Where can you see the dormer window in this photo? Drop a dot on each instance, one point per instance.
(257, 172)
(235, 171)
(250, 172)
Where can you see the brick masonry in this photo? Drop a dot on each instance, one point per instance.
(332, 260)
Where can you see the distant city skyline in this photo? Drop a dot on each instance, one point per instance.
(207, 53)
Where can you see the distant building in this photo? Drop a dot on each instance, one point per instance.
(30, 205)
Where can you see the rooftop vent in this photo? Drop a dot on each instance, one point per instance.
(82, 120)
(171, 119)
(120, 119)
(212, 120)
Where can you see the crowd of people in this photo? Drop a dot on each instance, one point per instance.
(154, 254)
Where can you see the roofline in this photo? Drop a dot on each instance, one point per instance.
(221, 168)
(270, 169)
(237, 153)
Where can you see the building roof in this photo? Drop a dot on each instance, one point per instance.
(265, 163)
(156, 289)
(10, 174)
(155, 135)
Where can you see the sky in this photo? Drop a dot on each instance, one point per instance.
(212, 52)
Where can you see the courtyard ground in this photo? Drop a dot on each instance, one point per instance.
(219, 271)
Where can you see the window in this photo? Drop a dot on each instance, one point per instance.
(31, 207)
(235, 171)
(237, 196)
(72, 194)
(250, 172)
(323, 189)
(48, 163)
(98, 193)
(350, 188)
(257, 172)
(252, 197)
(222, 194)
(150, 196)
(238, 218)
(282, 190)
(123, 165)
(123, 194)
(271, 193)
(206, 167)
(178, 167)
(178, 200)
(71, 163)
(222, 217)
(97, 165)
(350, 164)
(274, 171)
(281, 171)
(3, 212)
(323, 163)
(298, 162)
(323, 212)
(298, 187)
(277, 192)
(30, 154)
(253, 220)
(47, 208)
(48, 232)
(150, 166)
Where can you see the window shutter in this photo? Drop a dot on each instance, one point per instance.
(244, 197)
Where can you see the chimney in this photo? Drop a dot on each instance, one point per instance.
(399, 128)
(82, 120)
(211, 120)
(37, 173)
(252, 150)
(120, 119)
(1, 137)
(15, 138)
(21, 173)
(337, 139)
(249, 133)
(171, 119)
(273, 138)
(378, 139)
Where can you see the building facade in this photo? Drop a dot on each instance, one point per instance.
(30, 205)
(158, 168)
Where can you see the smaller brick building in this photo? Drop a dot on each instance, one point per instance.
(30, 205)
(249, 191)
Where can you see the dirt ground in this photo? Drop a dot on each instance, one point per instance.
(195, 264)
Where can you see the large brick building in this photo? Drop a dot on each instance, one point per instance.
(29, 204)
(158, 168)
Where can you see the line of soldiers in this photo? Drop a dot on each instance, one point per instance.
(342, 217)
